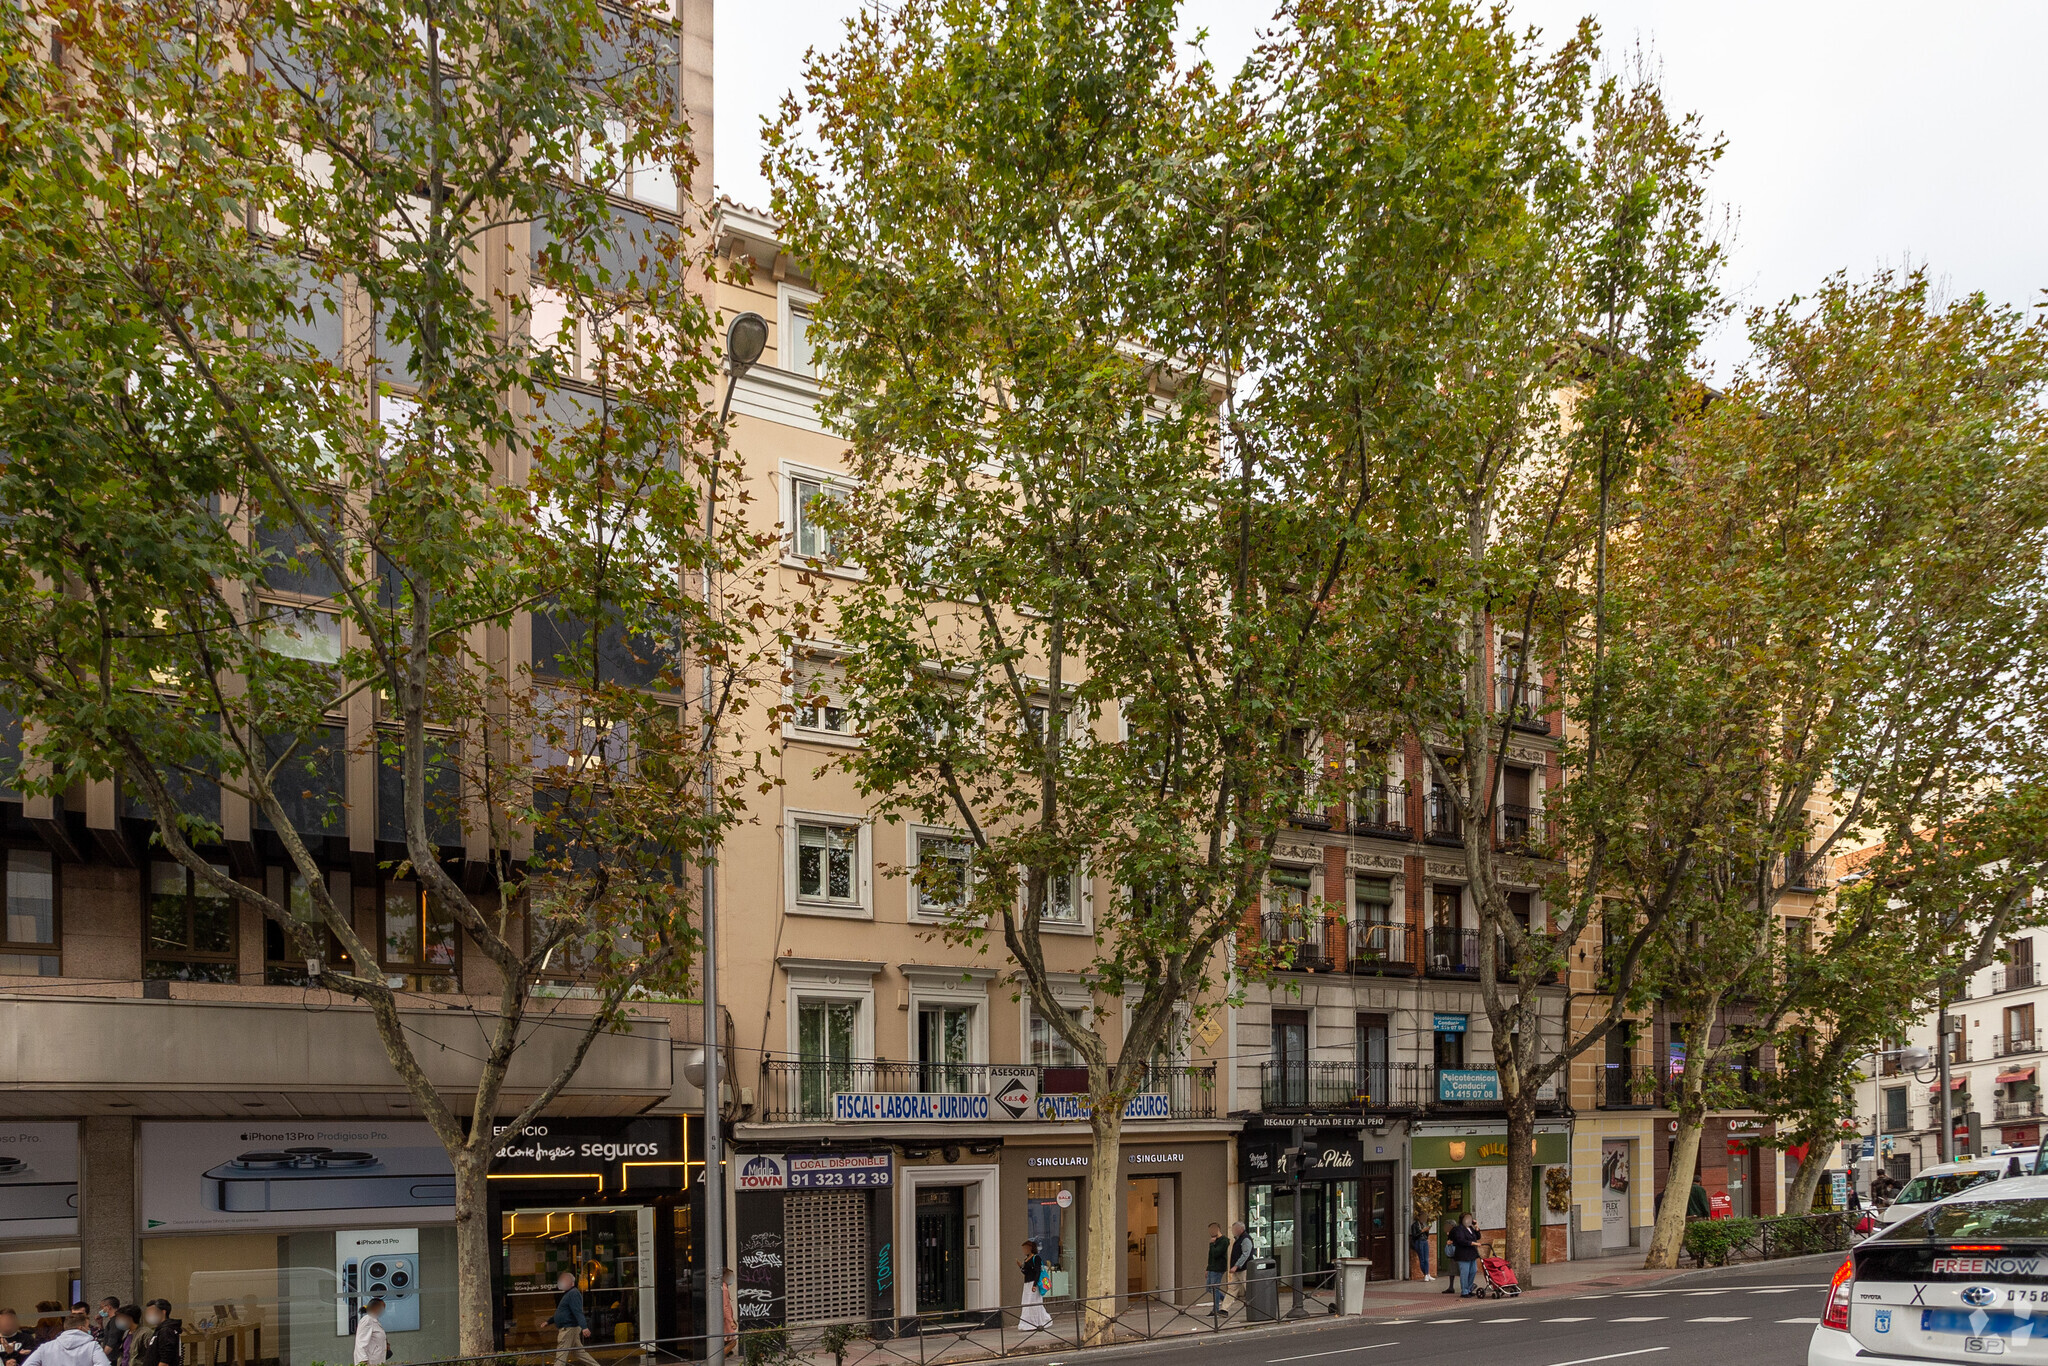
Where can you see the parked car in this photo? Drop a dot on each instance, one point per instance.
(1964, 1279)
(1945, 1179)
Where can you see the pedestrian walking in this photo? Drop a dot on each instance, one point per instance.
(16, 1342)
(571, 1327)
(372, 1347)
(73, 1346)
(1418, 1239)
(1241, 1254)
(1219, 1266)
(1697, 1205)
(1465, 1252)
(1037, 1280)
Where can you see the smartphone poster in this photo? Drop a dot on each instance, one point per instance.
(39, 1180)
(378, 1264)
(243, 1175)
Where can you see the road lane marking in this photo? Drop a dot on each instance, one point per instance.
(1503, 1320)
(1780, 1289)
(1641, 1318)
(1580, 1319)
(1726, 1318)
(1611, 1356)
(1799, 1320)
(1434, 1322)
(1275, 1361)
(1697, 1293)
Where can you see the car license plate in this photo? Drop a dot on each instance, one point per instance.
(1988, 1346)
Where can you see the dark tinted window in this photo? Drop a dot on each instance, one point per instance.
(1976, 1219)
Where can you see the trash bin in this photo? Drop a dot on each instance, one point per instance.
(1352, 1274)
(1262, 1290)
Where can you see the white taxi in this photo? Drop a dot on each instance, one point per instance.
(1964, 1280)
(1945, 1179)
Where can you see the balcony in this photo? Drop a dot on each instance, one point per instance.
(2003, 1110)
(1521, 828)
(1312, 944)
(2013, 1045)
(1379, 949)
(1804, 873)
(1299, 942)
(2014, 977)
(1381, 810)
(1522, 707)
(1453, 953)
(795, 1090)
(1345, 1086)
(1444, 827)
(1627, 1088)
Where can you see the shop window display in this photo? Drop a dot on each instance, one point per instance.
(609, 1250)
(37, 1275)
(278, 1296)
(1052, 1220)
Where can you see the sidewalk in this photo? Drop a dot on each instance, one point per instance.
(1146, 1320)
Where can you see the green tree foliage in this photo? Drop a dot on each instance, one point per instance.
(291, 293)
(1834, 614)
(1123, 612)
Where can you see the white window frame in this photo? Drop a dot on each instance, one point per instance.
(1084, 893)
(790, 300)
(790, 473)
(1070, 992)
(863, 908)
(935, 985)
(913, 898)
(792, 729)
(852, 989)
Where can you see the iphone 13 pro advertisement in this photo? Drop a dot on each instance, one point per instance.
(39, 1180)
(244, 1175)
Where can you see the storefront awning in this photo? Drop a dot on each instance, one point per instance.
(2017, 1074)
(1954, 1084)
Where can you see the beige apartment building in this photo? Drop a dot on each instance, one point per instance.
(903, 1120)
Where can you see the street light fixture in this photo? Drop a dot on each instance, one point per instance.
(746, 337)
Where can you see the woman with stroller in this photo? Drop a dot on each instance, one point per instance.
(1465, 1252)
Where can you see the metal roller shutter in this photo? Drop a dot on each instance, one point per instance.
(825, 1246)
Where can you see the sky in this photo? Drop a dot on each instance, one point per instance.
(1860, 135)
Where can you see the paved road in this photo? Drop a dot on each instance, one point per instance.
(1743, 1316)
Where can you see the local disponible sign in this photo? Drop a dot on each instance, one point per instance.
(1459, 1083)
(815, 1171)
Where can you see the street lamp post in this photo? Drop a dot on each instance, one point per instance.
(746, 336)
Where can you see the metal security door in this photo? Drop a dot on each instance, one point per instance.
(825, 1244)
(941, 1260)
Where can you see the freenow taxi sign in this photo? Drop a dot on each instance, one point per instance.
(1990, 1266)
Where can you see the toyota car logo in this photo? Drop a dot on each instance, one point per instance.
(1979, 1295)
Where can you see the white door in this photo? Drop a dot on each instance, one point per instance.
(1614, 1176)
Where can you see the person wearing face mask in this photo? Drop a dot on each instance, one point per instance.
(74, 1346)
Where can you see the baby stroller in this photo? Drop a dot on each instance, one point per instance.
(1500, 1278)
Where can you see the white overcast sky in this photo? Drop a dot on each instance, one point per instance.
(1859, 134)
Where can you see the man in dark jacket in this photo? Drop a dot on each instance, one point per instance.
(161, 1346)
(572, 1329)
(16, 1342)
(1697, 1206)
(1219, 1264)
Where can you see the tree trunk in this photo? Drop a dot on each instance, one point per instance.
(1669, 1235)
(1105, 1188)
(474, 1247)
(1521, 1180)
(1799, 1200)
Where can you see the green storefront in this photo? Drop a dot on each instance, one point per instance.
(1455, 1160)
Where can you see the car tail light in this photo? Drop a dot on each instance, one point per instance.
(1837, 1313)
